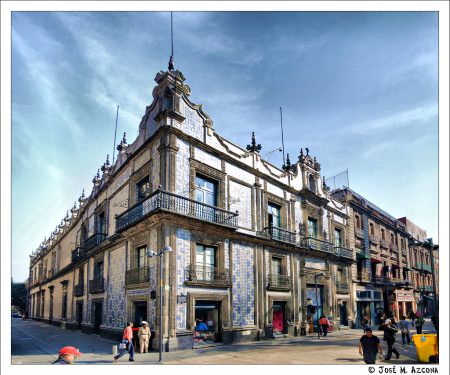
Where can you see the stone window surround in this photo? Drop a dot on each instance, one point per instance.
(102, 208)
(214, 174)
(253, 204)
(271, 298)
(283, 203)
(136, 177)
(275, 254)
(201, 239)
(135, 243)
(195, 296)
(130, 310)
(311, 211)
(341, 227)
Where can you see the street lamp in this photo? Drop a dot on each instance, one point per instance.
(271, 152)
(151, 253)
(317, 275)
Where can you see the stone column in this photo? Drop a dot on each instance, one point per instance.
(302, 292)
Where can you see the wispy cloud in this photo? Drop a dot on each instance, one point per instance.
(410, 117)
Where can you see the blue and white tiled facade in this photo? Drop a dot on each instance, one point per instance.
(243, 304)
(116, 287)
(183, 245)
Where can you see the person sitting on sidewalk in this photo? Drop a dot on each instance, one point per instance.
(369, 346)
(67, 355)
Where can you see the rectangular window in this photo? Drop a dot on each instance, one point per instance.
(142, 189)
(383, 234)
(376, 295)
(312, 228)
(205, 260)
(372, 229)
(205, 190)
(276, 266)
(140, 256)
(337, 238)
(98, 270)
(101, 223)
(363, 294)
(274, 215)
(81, 276)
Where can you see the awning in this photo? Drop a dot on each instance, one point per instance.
(375, 260)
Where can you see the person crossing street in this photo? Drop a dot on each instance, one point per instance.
(128, 340)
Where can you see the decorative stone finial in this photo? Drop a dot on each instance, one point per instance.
(96, 180)
(82, 199)
(288, 165)
(253, 147)
(122, 146)
(307, 151)
(106, 167)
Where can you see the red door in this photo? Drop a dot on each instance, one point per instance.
(278, 320)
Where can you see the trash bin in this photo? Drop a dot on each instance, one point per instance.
(427, 347)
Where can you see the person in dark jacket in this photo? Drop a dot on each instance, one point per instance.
(369, 346)
(391, 329)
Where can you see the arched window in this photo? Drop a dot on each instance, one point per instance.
(312, 183)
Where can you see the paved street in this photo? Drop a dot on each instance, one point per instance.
(38, 343)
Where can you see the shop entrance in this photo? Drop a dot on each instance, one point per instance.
(279, 317)
(363, 311)
(79, 314)
(207, 319)
(140, 312)
(343, 313)
(98, 306)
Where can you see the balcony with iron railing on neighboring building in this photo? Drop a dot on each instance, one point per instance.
(138, 275)
(359, 232)
(97, 285)
(342, 287)
(363, 276)
(319, 245)
(426, 267)
(78, 290)
(164, 201)
(278, 234)
(380, 279)
(199, 275)
(393, 246)
(94, 240)
(384, 244)
(279, 282)
(77, 254)
(373, 239)
(343, 252)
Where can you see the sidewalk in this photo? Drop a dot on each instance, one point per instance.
(339, 347)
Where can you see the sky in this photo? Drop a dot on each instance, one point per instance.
(359, 89)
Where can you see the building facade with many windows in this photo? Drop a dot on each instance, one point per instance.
(249, 239)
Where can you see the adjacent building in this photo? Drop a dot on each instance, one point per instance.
(256, 249)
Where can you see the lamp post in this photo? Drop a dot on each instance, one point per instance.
(317, 275)
(435, 304)
(151, 253)
(271, 152)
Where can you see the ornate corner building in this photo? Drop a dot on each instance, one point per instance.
(249, 240)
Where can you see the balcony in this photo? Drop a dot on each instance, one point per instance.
(77, 254)
(78, 290)
(359, 233)
(164, 201)
(343, 252)
(383, 243)
(208, 276)
(97, 285)
(426, 267)
(319, 245)
(404, 252)
(137, 276)
(279, 282)
(417, 265)
(393, 247)
(374, 240)
(363, 276)
(342, 287)
(429, 288)
(94, 240)
(278, 234)
(382, 279)
(361, 254)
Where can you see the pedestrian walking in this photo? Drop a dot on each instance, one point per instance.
(369, 346)
(324, 323)
(391, 329)
(381, 324)
(403, 326)
(128, 341)
(365, 323)
(144, 337)
(67, 355)
(412, 317)
(419, 323)
(310, 321)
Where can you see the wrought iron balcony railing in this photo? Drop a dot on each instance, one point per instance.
(374, 239)
(94, 240)
(208, 276)
(77, 254)
(382, 279)
(78, 290)
(279, 282)
(315, 244)
(342, 287)
(137, 276)
(359, 232)
(384, 244)
(364, 276)
(278, 234)
(164, 201)
(97, 285)
(343, 252)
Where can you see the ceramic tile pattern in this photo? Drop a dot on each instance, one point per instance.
(116, 289)
(244, 205)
